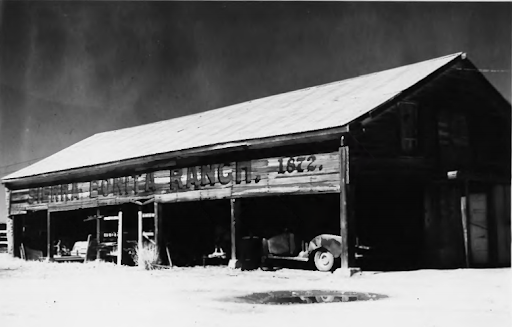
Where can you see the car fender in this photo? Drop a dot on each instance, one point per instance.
(330, 242)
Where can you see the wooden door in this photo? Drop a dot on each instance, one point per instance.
(478, 234)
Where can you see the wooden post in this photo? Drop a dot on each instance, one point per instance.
(465, 223)
(120, 238)
(463, 206)
(352, 233)
(22, 252)
(99, 232)
(235, 220)
(49, 236)
(98, 226)
(88, 248)
(159, 233)
(10, 224)
(344, 157)
(17, 233)
(139, 224)
(10, 235)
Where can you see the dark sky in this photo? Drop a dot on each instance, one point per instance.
(72, 69)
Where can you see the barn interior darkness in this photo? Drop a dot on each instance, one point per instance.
(32, 229)
(306, 216)
(71, 226)
(192, 229)
(130, 230)
(389, 220)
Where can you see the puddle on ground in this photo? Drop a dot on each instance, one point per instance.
(306, 297)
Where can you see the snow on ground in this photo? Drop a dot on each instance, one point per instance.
(102, 294)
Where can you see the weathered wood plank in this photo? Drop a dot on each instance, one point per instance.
(159, 233)
(303, 173)
(66, 206)
(22, 208)
(166, 198)
(19, 196)
(118, 200)
(343, 152)
(216, 194)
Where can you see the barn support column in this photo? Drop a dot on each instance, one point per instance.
(159, 233)
(352, 233)
(343, 208)
(501, 205)
(17, 233)
(465, 213)
(10, 224)
(235, 231)
(10, 235)
(99, 231)
(120, 238)
(139, 233)
(49, 235)
(346, 213)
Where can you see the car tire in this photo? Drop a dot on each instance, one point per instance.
(324, 260)
(325, 298)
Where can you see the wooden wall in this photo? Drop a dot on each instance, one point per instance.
(501, 210)
(443, 233)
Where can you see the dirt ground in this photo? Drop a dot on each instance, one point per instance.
(101, 294)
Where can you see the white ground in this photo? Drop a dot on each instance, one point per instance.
(100, 294)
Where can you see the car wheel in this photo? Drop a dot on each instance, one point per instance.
(324, 260)
(325, 298)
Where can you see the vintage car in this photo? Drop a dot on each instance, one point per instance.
(322, 250)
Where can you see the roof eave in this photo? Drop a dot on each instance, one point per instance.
(166, 160)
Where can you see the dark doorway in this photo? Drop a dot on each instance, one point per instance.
(33, 231)
(192, 230)
(389, 220)
(306, 216)
(73, 226)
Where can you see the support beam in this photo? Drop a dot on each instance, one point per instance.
(343, 206)
(347, 215)
(467, 231)
(463, 209)
(10, 223)
(49, 236)
(17, 233)
(88, 249)
(351, 215)
(139, 234)
(10, 236)
(120, 238)
(159, 233)
(235, 224)
(99, 232)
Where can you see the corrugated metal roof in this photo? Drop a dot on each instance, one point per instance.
(315, 108)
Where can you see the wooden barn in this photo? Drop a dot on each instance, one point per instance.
(410, 166)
